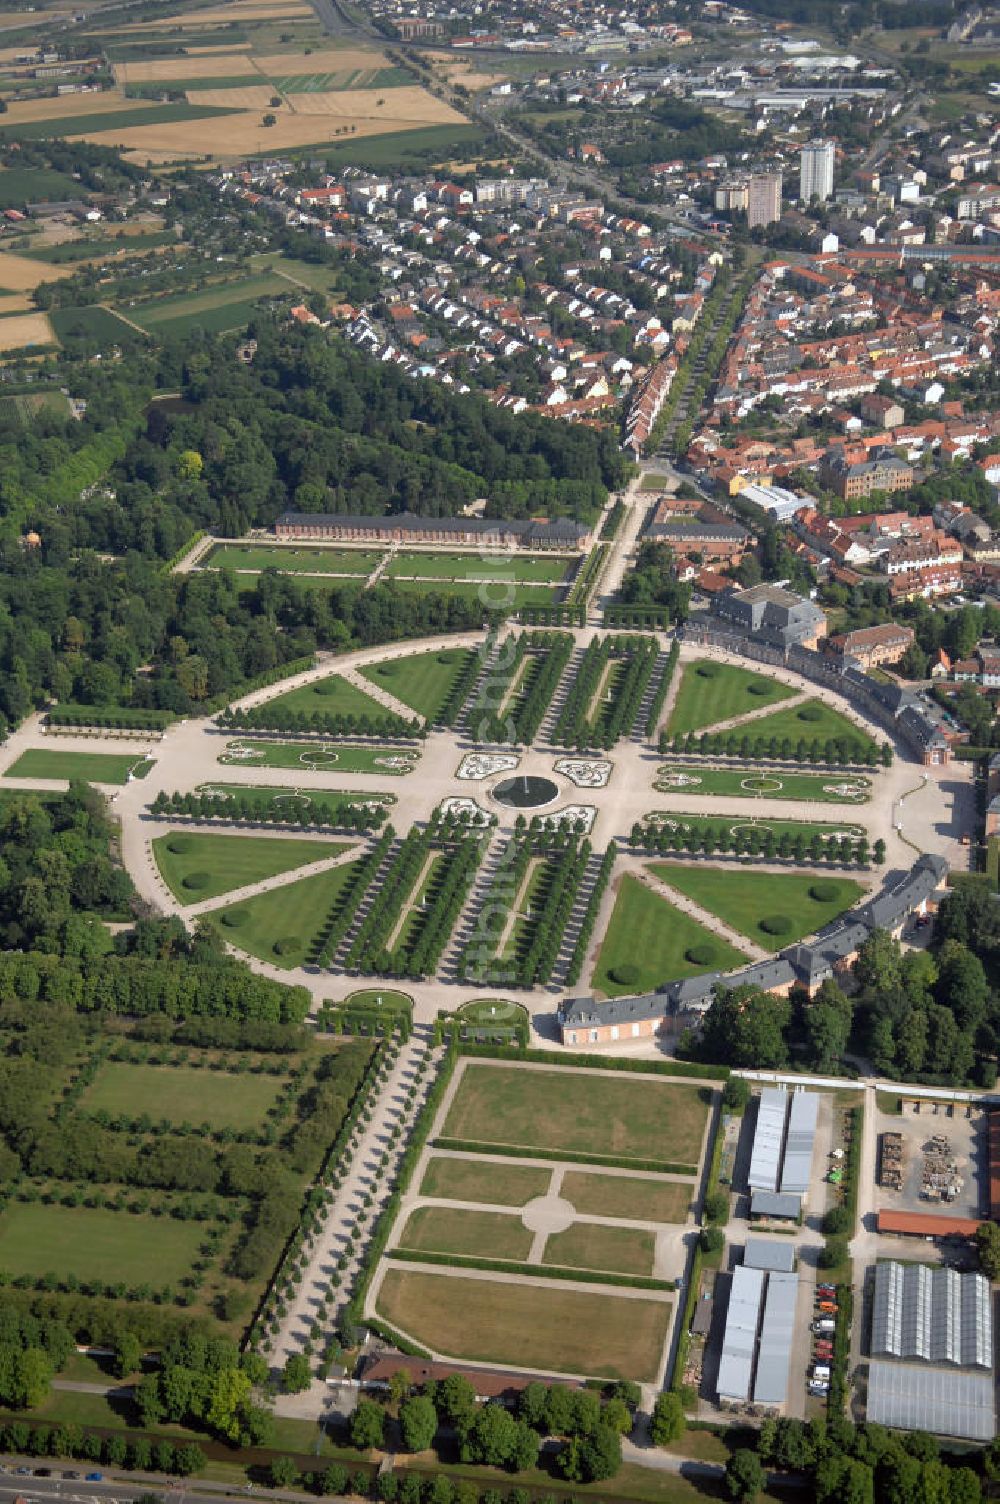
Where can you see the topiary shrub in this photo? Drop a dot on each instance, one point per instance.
(195, 881)
(701, 955)
(287, 945)
(325, 687)
(450, 656)
(707, 671)
(758, 688)
(775, 924)
(233, 918)
(808, 713)
(386, 670)
(627, 974)
(824, 892)
(179, 844)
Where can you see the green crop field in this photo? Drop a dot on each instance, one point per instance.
(590, 1245)
(747, 900)
(69, 251)
(92, 323)
(94, 1244)
(812, 721)
(114, 120)
(31, 185)
(280, 926)
(818, 788)
(635, 1198)
(566, 1112)
(649, 935)
(346, 78)
(499, 566)
(445, 1229)
(528, 1325)
(710, 692)
(196, 867)
(403, 150)
(230, 305)
(290, 560)
(320, 757)
(497, 1183)
(91, 767)
(423, 681)
(25, 407)
(182, 1094)
(330, 696)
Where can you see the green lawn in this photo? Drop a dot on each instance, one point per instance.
(196, 867)
(635, 1198)
(93, 323)
(182, 1094)
(578, 1112)
(445, 1229)
(423, 681)
(330, 696)
(321, 801)
(496, 1182)
(710, 692)
(21, 185)
(647, 932)
(227, 305)
(290, 917)
(95, 1244)
(320, 757)
(743, 898)
(590, 1245)
(715, 825)
(258, 556)
(496, 593)
(409, 150)
(819, 788)
(526, 568)
(812, 721)
(92, 767)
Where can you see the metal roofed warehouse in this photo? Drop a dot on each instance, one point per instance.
(797, 1164)
(774, 1351)
(919, 1397)
(769, 1135)
(740, 1340)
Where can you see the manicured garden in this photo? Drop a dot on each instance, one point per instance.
(320, 757)
(648, 941)
(182, 1094)
(281, 926)
(591, 1245)
(445, 1229)
(813, 720)
(526, 569)
(499, 1182)
(744, 783)
(290, 560)
(774, 909)
(332, 695)
(562, 1113)
(798, 841)
(90, 767)
(635, 1198)
(196, 866)
(423, 681)
(528, 1325)
(710, 692)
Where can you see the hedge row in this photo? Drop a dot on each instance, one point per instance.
(183, 551)
(261, 681)
(610, 1063)
(111, 717)
(345, 906)
(662, 689)
(544, 1271)
(587, 577)
(519, 1151)
(462, 686)
(590, 913)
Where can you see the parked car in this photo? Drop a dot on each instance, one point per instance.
(824, 1324)
(95, 1477)
(818, 1389)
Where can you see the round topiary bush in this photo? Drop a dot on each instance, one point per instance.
(808, 713)
(179, 844)
(701, 955)
(775, 924)
(451, 656)
(325, 687)
(757, 688)
(386, 670)
(288, 945)
(195, 881)
(824, 892)
(235, 917)
(707, 670)
(626, 975)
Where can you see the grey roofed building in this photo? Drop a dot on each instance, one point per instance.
(782, 1207)
(739, 1341)
(769, 1253)
(816, 961)
(796, 1167)
(560, 530)
(901, 896)
(931, 1313)
(774, 1350)
(772, 614)
(684, 531)
(768, 1139)
(920, 1397)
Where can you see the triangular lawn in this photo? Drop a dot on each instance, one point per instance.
(283, 925)
(421, 680)
(330, 696)
(743, 898)
(646, 932)
(196, 867)
(710, 692)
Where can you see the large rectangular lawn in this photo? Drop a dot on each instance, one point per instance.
(635, 1198)
(489, 1181)
(92, 767)
(330, 696)
(579, 1112)
(182, 1094)
(95, 1244)
(529, 1326)
(746, 899)
(199, 866)
(423, 681)
(448, 1229)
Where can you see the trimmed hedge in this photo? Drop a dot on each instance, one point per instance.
(545, 1271)
(519, 1151)
(608, 1063)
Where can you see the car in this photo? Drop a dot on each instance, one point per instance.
(43, 1472)
(95, 1477)
(23, 1472)
(826, 1289)
(72, 1475)
(818, 1389)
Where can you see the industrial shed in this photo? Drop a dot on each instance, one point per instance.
(769, 1253)
(740, 1340)
(933, 1314)
(916, 1397)
(768, 1139)
(796, 1167)
(775, 1348)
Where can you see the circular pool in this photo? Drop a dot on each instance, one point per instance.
(525, 792)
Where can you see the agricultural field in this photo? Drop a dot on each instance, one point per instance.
(91, 767)
(280, 926)
(423, 681)
(711, 692)
(289, 559)
(562, 1114)
(524, 569)
(22, 331)
(70, 251)
(648, 942)
(197, 866)
(111, 125)
(318, 757)
(24, 407)
(740, 783)
(784, 908)
(21, 185)
(216, 309)
(182, 1094)
(102, 325)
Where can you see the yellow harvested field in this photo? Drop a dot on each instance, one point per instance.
(408, 105)
(19, 274)
(162, 69)
(252, 10)
(26, 329)
(253, 97)
(218, 47)
(72, 105)
(323, 60)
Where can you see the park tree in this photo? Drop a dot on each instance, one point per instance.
(368, 1425)
(744, 1475)
(667, 1422)
(746, 1027)
(296, 1376)
(284, 1473)
(418, 1422)
(988, 1249)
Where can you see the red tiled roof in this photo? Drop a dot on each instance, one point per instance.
(927, 1224)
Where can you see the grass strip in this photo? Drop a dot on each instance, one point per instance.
(535, 1271)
